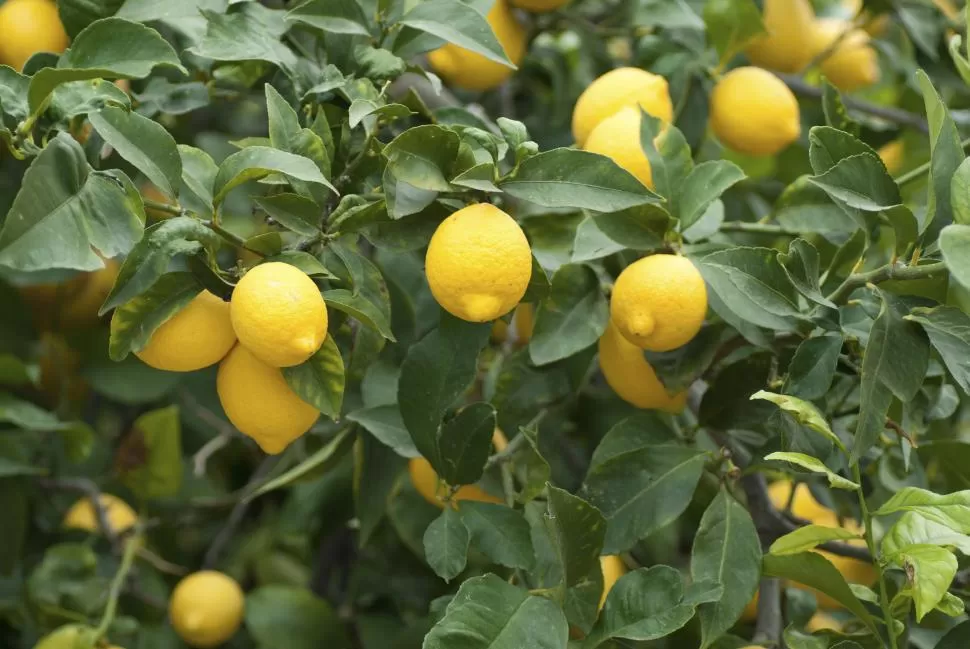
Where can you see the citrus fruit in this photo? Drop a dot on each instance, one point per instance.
(853, 64)
(85, 294)
(613, 568)
(206, 608)
(893, 154)
(618, 138)
(521, 328)
(260, 403)
(29, 27)
(630, 375)
(539, 6)
(471, 71)
(426, 482)
(803, 504)
(787, 46)
(67, 637)
(82, 516)
(754, 112)
(750, 612)
(822, 622)
(278, 314)
(197, 336)
(615, 90)
(659, 302)
(479, 263)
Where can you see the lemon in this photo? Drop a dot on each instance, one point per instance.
(206, 608)
(630, 375)
(197, 336)
(279, 314)
(465, 69)
(659, 302)
(822, 622)
(426, 482)
(539, 6)
(787, 46)
(853, 64)
(479, 263)
(67, 637)
(82, 516)
(803, 504)
(84, 297)
(29, 27)
(754, 112)
(613, 568)
(893, 155)
(618, 89)
(750, 612)
(618, 138)
(259, 402)
(520, 329)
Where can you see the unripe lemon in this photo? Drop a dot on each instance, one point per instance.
(260, 403)
(197, 336)
(279, 314)
(471, 71)
(618, 138)
(854, 63)
(28, 27)
(539, 6)
(66, 637)
(615, 90)
(426, 482)
(479, 263)
(82, 516)
(659, 302)
(206, 608)
(631, 377)
(754, 112)
(787, 46)
(893, 155)
(84, 297)
(613, 568)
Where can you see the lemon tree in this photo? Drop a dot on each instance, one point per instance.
(484, 324)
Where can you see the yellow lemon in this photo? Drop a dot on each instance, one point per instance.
(754, 112)
(260, 403)
(84, 298)
(803, 504)
(29, 27)
(206, 608)
(853, 64)
(750, 612)
(521, 328)
(630, 375)
(821, 622)
(479, 263)
(893, 155)
(618, 138)
(82, 516)
(787, 45)
(279, 314)
(426, 482)
(67, 637)
(615, 90)
(471, 71)
(539, 6)
(197, 336)
(659, 302)
(613, 568)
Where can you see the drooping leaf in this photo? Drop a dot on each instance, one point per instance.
(816, 466)
(320, 379)
(446, 544)
(571, 318)
(803, 412)
(949, 331)
(808, 538)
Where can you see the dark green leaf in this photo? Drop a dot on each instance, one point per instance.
(949, 331)
(705, 184)
(360, 308)
(577, 530)
(134, 322)
(320, 379)
(643, 227)
(499, 532)
(335, 16)
(956, 638)
(144, 143)
(571, 318)
(198, 175)
(668, 153)
(813, 366)
(257, 162)
(329, 455)
(464, 444)
(446, 544)
(836, 114)
(423, 156)
(860, 181)
(247, 32)
(802, 267)
(293, 616)
(458, 23)
(679, 368)
(377, 470)
(385, 423)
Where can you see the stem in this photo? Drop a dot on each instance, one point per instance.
(760, 228)
(356, 162)
(127, 559)
(916, 172)
(882, 274)
(871, 543)
(168, 208)
(231, 238)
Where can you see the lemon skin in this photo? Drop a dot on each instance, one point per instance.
(260, 403)
(198, 336)
(479, 263)
(206, 608)
(539, 6)
(618, 138)
(279, 314)
(823, 622)
(29, 27)
(465, 69)
(82, 516)
(754, 112)
(787, 46)
(631, 377)
(893, 155)
(854, 63)
(613, 568)
(618, 89)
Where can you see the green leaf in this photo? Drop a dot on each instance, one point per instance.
(247, 32)
(815, 465)
(257, 162)
(377, 470)
(65, 210)
(577, 530)
(488, 613)
(949, 331)
(111, 48)
(320, 379)
(160, 96)
(77, 98)
(464, 444)
(836, 114)
(156, 441)
(134, 322)
(946, 155)
(955, 246)
(329, 455)
(571, 318)
(26, 415)
(78, 14)
(803, 412)
(359, 307)
(578, 179)
(458, 23)
(446, 544)
(292, 616)
(828, 146)
(334, 16)
(808, 538)
(801, 264)
(705, 184)
(198, 174)
(498, 532)
(955, 638)
(930, 570)
(726, 551)
(960, 193)
(669, 155)
(914, 529)
(385, 423)
(642, 227)
(860, 181)
(731, 25)
(951, 510)
(812, 368)
(423, 156)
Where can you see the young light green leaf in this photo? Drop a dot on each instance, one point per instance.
(915, 529)
(731, 25)
(446, 544)
(951, 510)
(946, 155)
(802, 411)
(930, 570)
(815, 465)
(320, 379)
(808, 538)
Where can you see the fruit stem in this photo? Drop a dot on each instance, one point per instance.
(132, 543)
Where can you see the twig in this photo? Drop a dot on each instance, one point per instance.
(759, 228)
(93, 494)
(161, 564)
(202, 456)
(770, 621)
(895, 426)
(168, 208)
(127, 559)
(916, 172)
(882, 274)
(237, 514)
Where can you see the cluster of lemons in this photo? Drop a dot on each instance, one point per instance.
(276, 318)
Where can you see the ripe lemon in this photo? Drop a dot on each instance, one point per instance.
(82, 516)
(197, 336)
(893, 155)
(750, 612)
(259, 402)
(426, 482)
(854, 63)
(754, 112)
(479, 263)
(787, 46)
(823, 621)
(615, 90)
(67, 637)
(659, 302)
(630, 375)
(613, 568)
(520, 329)
(539, 6)
(206, 608)
(471, 71)
(279, 314)
(28, 27)
(618, 138)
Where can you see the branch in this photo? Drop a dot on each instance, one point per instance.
(236, 516)
(215, 444)
(882, 274)
(770, 619)
(759, 228)
(168, 208)
(93, 494)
